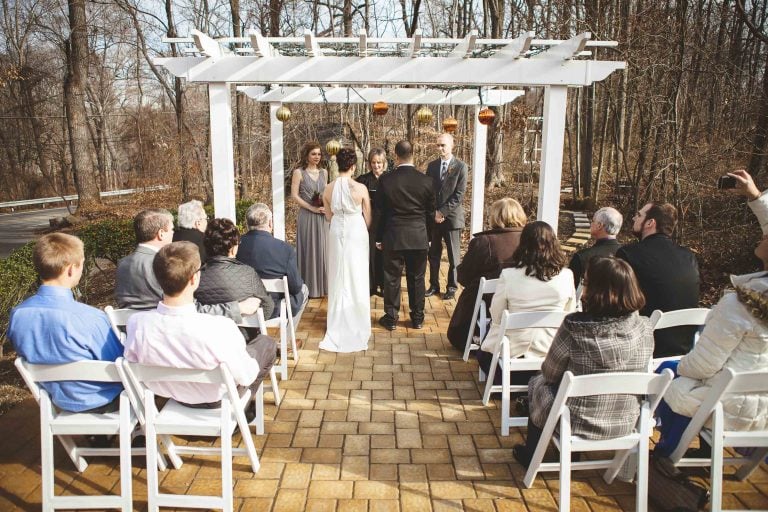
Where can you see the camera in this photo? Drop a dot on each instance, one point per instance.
(725, 182)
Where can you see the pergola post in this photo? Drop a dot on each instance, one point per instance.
(278, 172)
(552, 138)
(222, 150)
(478, 174)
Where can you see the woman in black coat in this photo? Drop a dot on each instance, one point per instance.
(225, 279)
(488, 254)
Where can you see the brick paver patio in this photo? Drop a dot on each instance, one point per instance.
(398, 427)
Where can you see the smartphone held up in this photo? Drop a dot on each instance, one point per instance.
(726, 182)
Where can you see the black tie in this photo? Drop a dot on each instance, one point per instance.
(443, 170)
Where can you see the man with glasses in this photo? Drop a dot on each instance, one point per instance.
(449, 175)
(137, 286)
(667, 273)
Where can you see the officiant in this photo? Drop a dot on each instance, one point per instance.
(377, 165)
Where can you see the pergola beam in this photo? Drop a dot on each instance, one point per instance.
(395, 96)
(391, 71)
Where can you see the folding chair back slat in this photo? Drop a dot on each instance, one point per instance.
(486, 287)
(118, 318)
(286, 322)
(62, 424)
(678, 317)
(647, 385)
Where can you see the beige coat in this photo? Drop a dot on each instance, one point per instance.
(518, 292)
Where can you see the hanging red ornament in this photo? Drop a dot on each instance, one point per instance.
(450, 124)
(486, 116)
(380, 108)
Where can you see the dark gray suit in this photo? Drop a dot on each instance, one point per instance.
(449, 199)
(137, 286)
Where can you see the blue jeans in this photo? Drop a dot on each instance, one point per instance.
(672, 424)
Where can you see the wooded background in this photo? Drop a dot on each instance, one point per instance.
(83, 109)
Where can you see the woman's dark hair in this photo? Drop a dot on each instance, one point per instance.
(220, 236)
(539, 252)
(610, 288)
(346, 158)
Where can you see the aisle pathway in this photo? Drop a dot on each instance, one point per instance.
(399, 427)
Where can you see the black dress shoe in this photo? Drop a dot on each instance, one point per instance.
(387, 323)
(432, 290)
(449, 294)
(521, 454)
(417, 324)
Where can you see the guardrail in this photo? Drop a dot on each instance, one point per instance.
(60, 199)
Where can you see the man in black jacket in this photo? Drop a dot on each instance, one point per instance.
(406, 203)
(272, 258)
(667, 273)
(449, 176)
(606, 224)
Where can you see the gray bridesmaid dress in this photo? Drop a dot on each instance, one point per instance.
(312, 237)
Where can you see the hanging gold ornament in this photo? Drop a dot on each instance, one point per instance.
(332, 147)
(424, 116)
(283, 113)
(449, 124)
(486, 116)
(380, 108)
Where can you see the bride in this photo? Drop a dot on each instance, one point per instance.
(349, 307)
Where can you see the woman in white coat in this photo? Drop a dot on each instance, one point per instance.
(735, 337)
(535, 281)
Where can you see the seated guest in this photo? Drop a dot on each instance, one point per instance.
(51, 327)
(192, 221)
(271, 258)
(534, 281)
(138, 288)
(605, 225)
(668, 274)
(225, 279)
(608, 336)
(176, 335)
(489, 252)
(735, 337)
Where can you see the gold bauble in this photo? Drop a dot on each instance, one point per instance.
(283, 113)
(380, 108)
(486, 116)
(333, 147)
(449, 124)
(424, 116)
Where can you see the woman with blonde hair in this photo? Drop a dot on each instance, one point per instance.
(488, 254)
(307, 186)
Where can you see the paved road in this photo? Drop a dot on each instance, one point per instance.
(16, 229)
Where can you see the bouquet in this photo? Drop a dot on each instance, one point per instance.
(317, 200)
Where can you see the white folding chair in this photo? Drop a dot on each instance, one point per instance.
(676, 318)
(118, 318)
(258, 321)
(648, 387)
(177, 419)
(502, 361)
(64, 424)
(284, 322)
(718, 437)
(479, 316)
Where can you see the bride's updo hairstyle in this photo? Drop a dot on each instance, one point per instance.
(610, 288)
(346, 158)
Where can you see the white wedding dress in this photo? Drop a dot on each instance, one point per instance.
(349, 305)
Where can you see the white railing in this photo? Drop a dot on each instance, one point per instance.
(59, 199)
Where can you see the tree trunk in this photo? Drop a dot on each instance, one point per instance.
(757, 160)
(74, 98)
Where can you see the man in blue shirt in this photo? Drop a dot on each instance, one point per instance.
(51, 327)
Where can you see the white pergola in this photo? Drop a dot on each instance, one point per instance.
(365, 70)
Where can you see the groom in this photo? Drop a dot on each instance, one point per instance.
(405, 201)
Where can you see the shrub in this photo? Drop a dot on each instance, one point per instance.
(109, 239)
(18, 280)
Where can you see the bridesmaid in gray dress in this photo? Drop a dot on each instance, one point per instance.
(307, 185)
